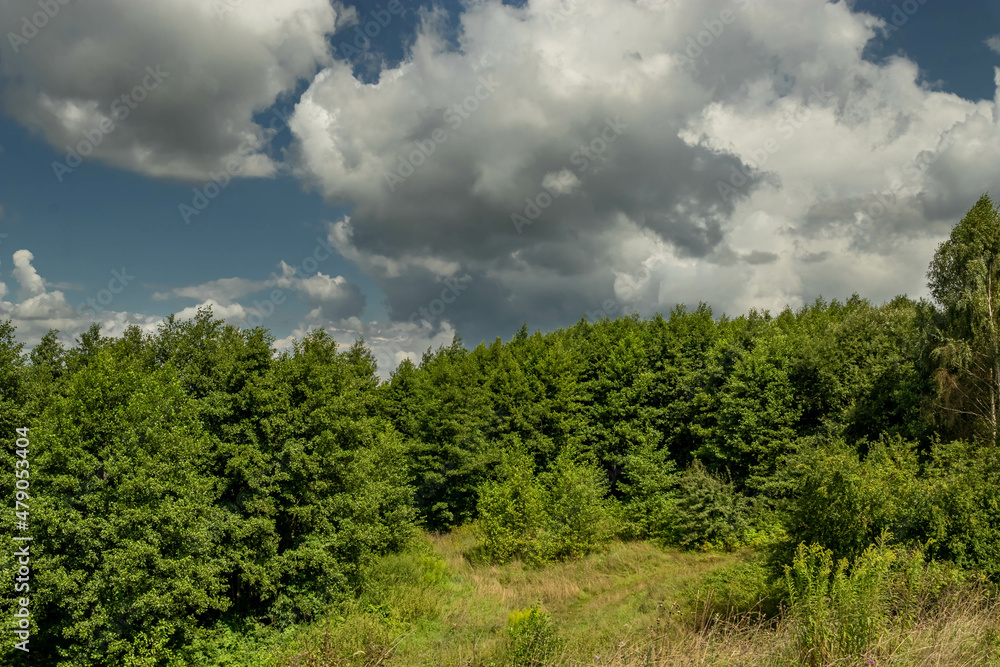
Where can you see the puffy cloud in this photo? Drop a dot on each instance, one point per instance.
(224, 311)
(566, 158)
(336, 302)
(332, 297)
(31, 283)
(993, 43)
(736, 152)
(537, 107)
(166, 88)
(37, 310)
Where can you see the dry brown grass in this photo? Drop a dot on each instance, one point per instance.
(964, 632)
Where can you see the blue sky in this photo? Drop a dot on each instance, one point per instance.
(947, 40)
(630, 231)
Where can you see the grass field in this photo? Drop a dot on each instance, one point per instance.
(632, 605)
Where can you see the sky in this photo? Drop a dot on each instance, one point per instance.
(410, 171)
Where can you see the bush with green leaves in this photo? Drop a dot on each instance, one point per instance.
(710, 512)
(511, 511)
(649, 505)
(844, 503)
(960, 506)
(742, 589)
(579, 516)
(560, 514)
(531, 637)
(838, 612)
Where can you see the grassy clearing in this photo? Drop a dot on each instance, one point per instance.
(430, 606)
(631, 605)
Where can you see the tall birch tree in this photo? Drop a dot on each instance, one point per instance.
(964, 279)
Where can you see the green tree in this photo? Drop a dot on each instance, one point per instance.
(511, 509)
(341, 495)
(449, 454)
(579, 515)
(684, 360)
(964, 279)
(232, 379)
(618, 381)
(555, 367)
(13, 381)
(126, 552)
(509, 391)
(756, 411)
(709, 510)
(649, 500)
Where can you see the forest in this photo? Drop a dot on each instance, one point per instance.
(820, 484)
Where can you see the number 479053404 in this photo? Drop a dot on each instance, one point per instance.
(21, 472)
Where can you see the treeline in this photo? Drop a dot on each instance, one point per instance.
(642, 397)
(823, 425)
(191, 480)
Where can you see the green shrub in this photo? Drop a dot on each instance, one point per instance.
(531, 637)
(961, 508)
(861, 599)
(807, 583)
(710, 512)
(844, 504)
(838, 612)
(557, 515)
(920, 583)
(403, 587)
(579, 518)
(511, 512)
